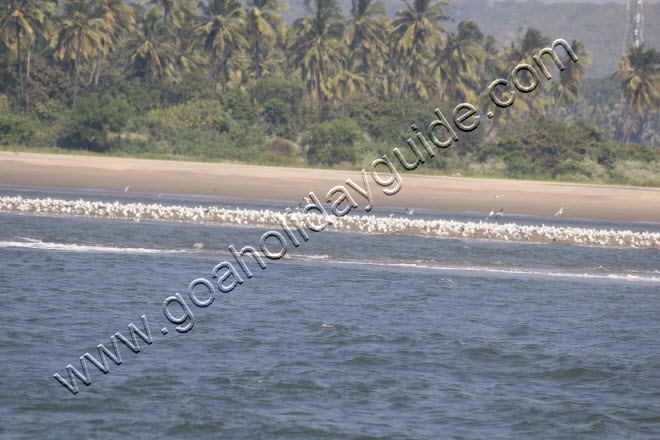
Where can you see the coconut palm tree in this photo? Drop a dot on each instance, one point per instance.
(81, 33)
(265, 27)
(349, 79)
(459, 63)
(152, 54)
(566, 90)
(25, 20)
(315, 47)
(416, 27)
(366, 33)
(526, 46)
(521, 51)
(493, 64)
(187, 55)
(639, 73)
(651, 134)
(118, 19)
(177, 10)
(221, 32)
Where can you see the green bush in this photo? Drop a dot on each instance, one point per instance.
(288, 90)
(282, 147)
(203, 114)
(16, 129)
(50, 111)
(332, 142)
(238, 108)
(278, 114)
(91, 120)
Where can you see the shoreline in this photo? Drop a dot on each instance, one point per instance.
(589, 201)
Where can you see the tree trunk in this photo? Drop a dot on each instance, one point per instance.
(556, 111)
(626, 132)
(98, 69)
(319, 98)
(618, 118)
(27, 73)
(75, 80)
(257, 53)
(373, 80)
(91, 76)
(405, 73)
(214, 62)
(20, 65)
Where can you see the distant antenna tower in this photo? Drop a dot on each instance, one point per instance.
(634, 25)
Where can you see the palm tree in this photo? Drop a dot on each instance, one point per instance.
(264, 26)
(24, 19)
(493, 65)
(151, 51)
(651, 134)
(521, 51)
(460, 61)
(177, 10)
(315, 47)
(415, 28)
(118, 19)
(366, 33)
(570, 79)
(639, 73)
(80, 35)
(349, 78)
(221, 33)
(526, 46)
(187, 55)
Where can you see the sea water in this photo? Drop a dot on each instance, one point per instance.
(349, 336)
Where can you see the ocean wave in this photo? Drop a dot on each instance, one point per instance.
(72, 247)
(509, 271)
(503, 270)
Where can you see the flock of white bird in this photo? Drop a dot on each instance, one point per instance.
(365, 223)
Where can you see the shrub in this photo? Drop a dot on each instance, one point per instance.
(50, 111)
(278, 114)
(238, 107)
(204, 114)
(332, 142)
(287, 90)
(91, 120)
(282, 147)
(16, 129)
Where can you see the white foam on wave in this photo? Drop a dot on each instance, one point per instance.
(31, 243)
(311, 257)
(510, 271)
(72, 247)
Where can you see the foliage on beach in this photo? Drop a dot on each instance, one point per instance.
(219, 81)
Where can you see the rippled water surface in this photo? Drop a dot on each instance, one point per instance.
(348, 336)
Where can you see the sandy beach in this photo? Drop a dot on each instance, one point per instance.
(292, 184)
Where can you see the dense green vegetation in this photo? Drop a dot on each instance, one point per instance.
(217, 81)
